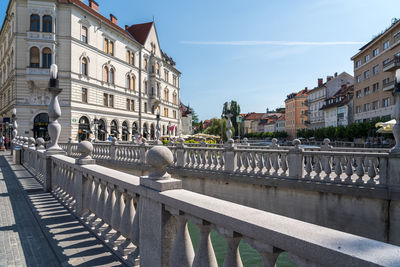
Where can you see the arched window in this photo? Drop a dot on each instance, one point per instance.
(175, 98)
(84, 70)
(84, 128)
(114, 128)
(128, 81)
(112, 74)
(46, 59)
(34, 59)
(133, 83)
(128, 56)
(105, 74)
(35, 23)
(145, 63)
(158, 68)
(152, 68)
(47, 23)
(166, 95)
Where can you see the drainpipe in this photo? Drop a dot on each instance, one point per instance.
(140, 91)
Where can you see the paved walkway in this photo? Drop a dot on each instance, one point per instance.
(36, 229)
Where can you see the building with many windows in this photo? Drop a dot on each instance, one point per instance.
(296, 112)
(115, 80)
(323, 91)
(373, 85)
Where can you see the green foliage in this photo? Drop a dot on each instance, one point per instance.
(354, 130)
(266, 135)
(218, 127)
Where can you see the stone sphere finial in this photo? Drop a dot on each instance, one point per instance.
(114, 140)
(326, 141)
(296, 142)
(70, 139)
(274, 141)
(40, 143)
(31, 141)
(85, 148)
(160, 158)
(26, 139)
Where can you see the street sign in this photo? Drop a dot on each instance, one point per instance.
(238, 118)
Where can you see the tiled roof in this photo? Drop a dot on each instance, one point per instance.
(140, 31)
(185, 110)
(253, 116)
(345, 92)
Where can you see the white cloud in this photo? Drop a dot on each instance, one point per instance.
(277, 43)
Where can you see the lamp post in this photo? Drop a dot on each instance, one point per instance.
(229, 123)
(96, 129)
(54, 111)
(14, 126)
(169, 130)
(157, 137)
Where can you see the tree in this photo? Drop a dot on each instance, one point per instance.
(195, 117)
(235, 111)
(218, 127)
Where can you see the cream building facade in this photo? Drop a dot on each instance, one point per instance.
(114, 80)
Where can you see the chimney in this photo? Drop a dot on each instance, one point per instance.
(126, 27)
(335, 74)
(320, 82)
(93, 5)
(113, 19)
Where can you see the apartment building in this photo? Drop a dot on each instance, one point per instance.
(296, 112)
(115, 80)
(324, 90)
(374, 82)
(338, 109)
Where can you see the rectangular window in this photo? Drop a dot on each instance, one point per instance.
(165, 112)
(375, 69)
(106, 45)
(111, 101)
(128, 56)
(174, 114)
(358, 63)
(385, 81)
(174, 80)
(111, 48)
(375, 87)
(375, 52)
(386, 61)
(366, 90)
(386, 102)
(84, 95)
(145, 107)
(128, 104)
(396, 37)
(166, 74)
(366, 58)
(84, 34)
(367, 107)
(105, 100)
(366, 74)
(375, 105)
(358, 78)
(132, 105)
(386, 45)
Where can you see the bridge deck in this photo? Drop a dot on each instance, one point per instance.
(37, 230)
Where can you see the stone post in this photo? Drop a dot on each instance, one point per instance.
(69, 147)
(326, 145)
(180, 157)
(296, 160)
(142, 151)
(157, 226)
(113, 149)
(274, 144)
(230, 156)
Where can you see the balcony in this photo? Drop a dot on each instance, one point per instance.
(43, 36)
(387, 86)
(392, 64)
(37, 74)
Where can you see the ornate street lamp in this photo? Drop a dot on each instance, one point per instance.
(229, 123)
(157, 137)
(96, 129)
(169, 130)
(54, 111)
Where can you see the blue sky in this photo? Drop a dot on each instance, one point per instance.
(254, 51)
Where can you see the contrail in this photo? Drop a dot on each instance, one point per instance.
(282, 43)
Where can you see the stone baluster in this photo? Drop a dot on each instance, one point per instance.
(117, 213)
(221, 162)
(338, 169)
(215, 160)
(232, 258)
(349, 170)
(327, 168)
(198, 159)
(192, 159)
(371, 172)
(267, 163)
(260, 163)
(203, 159)
(109, 206)
(127, 220)
(308, 167)
(88, 198)
(95, 198)
(252, 160)
(275, 165)
(269, 254)
(239, 161)
(188, 158)
(209, 159)
(204, 255)
(360, 170)
(317, 168)
(101, 205)
(245, 161)
(182, 253)
(284, 165)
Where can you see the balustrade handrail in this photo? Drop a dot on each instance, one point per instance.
(340, 153)
(305, 241)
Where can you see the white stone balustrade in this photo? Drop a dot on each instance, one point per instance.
(132, 216)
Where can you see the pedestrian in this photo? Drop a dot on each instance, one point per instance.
(3, 148)
(109, 138)
(7, 142)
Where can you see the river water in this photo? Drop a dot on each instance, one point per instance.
(250, 257)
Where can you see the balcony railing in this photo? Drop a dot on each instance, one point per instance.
(387, 85)
(392, 64)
